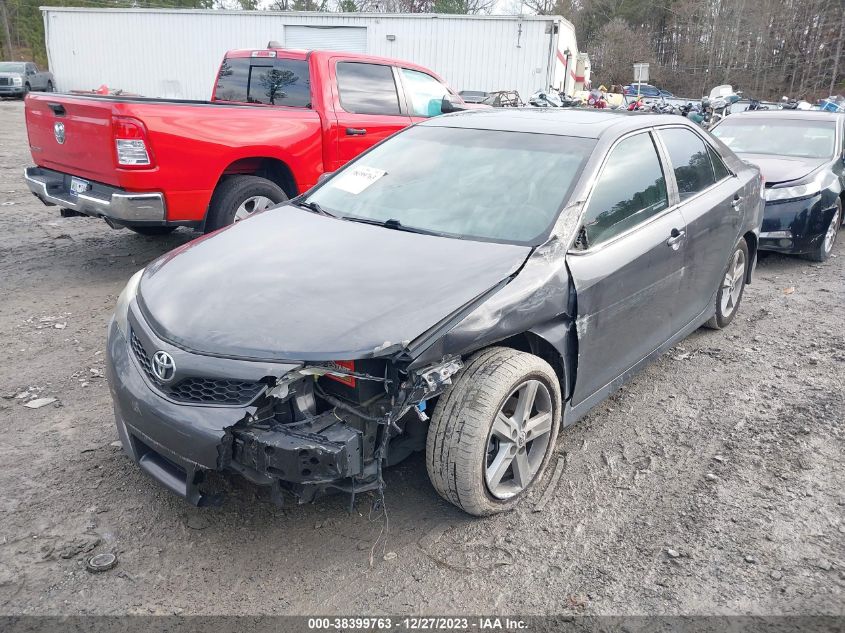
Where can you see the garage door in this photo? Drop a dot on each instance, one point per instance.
(351, 39)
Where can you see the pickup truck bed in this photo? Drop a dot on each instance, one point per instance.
(192, 144)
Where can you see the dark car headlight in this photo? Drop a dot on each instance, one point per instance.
(121, 309)
(811, 186)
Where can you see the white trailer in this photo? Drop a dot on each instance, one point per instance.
(176, 53)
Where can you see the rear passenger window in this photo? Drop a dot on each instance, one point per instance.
(719, 168)
(367, 88)
(264, 80)
(690, 159)
(630, 189)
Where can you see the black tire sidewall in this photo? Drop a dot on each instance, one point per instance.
(232, 192)
(721, 320)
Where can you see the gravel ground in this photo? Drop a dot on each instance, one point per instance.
(712, 484)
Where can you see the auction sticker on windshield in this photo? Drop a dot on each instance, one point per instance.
(356, 179)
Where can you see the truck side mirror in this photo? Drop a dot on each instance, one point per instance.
(448, 104)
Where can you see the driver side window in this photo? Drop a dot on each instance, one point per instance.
(630, 189)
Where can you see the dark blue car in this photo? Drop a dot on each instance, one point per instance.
(801, 155)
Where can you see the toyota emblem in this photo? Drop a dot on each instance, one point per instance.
(163, 366)
(59, 131)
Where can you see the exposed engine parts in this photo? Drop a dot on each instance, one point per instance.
(334, 426)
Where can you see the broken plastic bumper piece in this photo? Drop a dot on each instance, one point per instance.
(319, 450)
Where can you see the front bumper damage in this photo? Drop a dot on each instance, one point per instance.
(796, 227)
(278, 440)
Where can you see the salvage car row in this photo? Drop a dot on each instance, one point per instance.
(466, 288)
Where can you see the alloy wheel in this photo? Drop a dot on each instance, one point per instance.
(518, 439)
(251, 205)
(733, 283)
(830, 236)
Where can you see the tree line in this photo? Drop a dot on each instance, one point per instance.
(766, 48)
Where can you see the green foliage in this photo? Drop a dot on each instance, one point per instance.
(450, 6)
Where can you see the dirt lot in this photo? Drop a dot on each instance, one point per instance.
(713, 483)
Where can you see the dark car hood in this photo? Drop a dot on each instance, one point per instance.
(291, 284)
(777, 169)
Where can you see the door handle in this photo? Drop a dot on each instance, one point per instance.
(356, 131)
(735, 202)
(675, 238)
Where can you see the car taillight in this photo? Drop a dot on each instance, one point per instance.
(130, 140)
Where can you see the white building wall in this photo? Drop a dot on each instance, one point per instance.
(168, 53)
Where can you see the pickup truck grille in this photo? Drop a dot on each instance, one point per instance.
(5, 81)
(196, 389)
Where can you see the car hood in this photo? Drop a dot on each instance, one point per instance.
(778, 169)
(288, 284)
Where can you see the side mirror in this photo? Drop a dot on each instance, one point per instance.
(324, 176)
(450, 104)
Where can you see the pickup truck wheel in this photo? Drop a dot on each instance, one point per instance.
(49, 86)
(238, 197)
(731, 288)
(494, 430)
(153, 230)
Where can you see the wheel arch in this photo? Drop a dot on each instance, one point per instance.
(539, 343)
(273, 169)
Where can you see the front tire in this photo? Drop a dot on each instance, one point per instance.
(238, 197)
(731, 288)
(494, 430)
(825, 247)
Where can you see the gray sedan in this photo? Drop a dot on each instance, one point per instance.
(18, 78)
(466, 288)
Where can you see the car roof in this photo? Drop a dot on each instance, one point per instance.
(555, 121)
(817, 115)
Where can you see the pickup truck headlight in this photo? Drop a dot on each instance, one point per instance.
(17, 81)
(121, 309)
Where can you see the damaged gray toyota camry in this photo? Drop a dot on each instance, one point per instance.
(466, 288)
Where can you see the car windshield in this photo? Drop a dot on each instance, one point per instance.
(11, 67)
(778, 137)
(476, 184)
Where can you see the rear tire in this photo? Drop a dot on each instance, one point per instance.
(153, 231)
(237, 197)
(481, 455)
(49, 86)
(825, 247)
(731, 288)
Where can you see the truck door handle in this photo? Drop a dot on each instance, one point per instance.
(735, 202)
(356, 131)
(675, 238)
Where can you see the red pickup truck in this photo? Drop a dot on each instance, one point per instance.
(277, 119)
